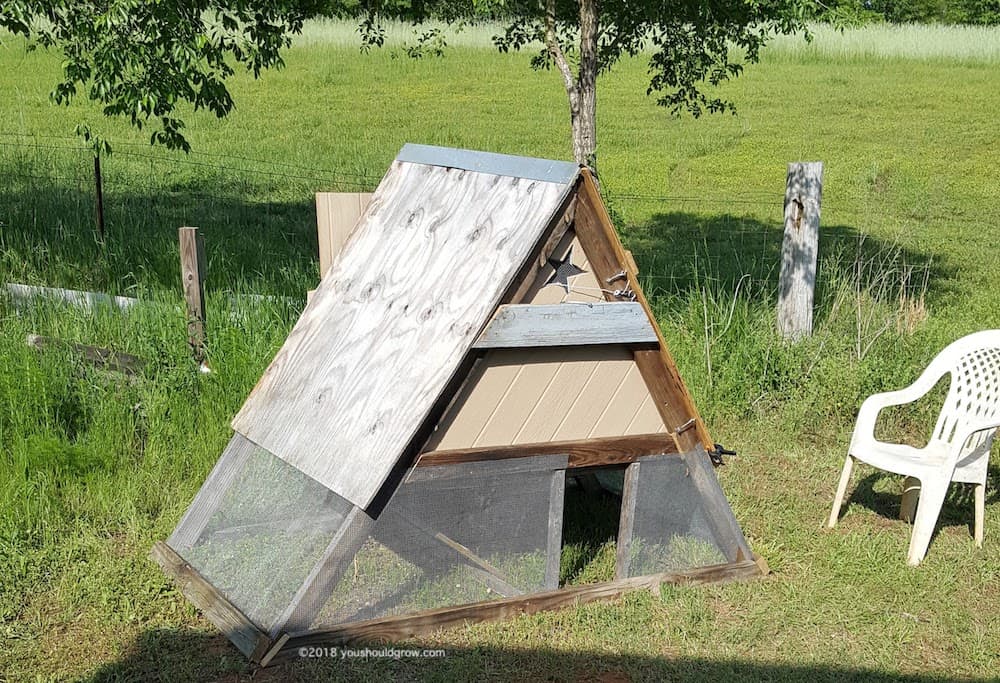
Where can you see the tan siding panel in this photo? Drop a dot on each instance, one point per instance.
(623, 407)
(647, 420)
(336, 215)
(554, 394)
(593, 399)
(524, 394)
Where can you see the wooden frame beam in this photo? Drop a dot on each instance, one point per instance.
(421, 623)
(613, 450)
(235, 625)
(533, 326)
(612, 266)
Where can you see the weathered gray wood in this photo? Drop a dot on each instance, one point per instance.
(720, 515)
(392, 321)
(399, 628)
(210, 496)
(328, 570)
(107, 359)
(596, 452)
(537, 462)
(626, 521)
(27, 294)
(799, 249)
(557, 500)
(193, 268)
(570, 324)
(235, 625)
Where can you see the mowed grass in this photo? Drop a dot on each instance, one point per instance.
(94, 469)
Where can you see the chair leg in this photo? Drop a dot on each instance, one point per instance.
(980, 514)
(838, 501)
(932, 494)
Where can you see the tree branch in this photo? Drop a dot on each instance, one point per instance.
(558, 56)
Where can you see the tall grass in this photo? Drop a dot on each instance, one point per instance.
(881, 42)
(94, 467)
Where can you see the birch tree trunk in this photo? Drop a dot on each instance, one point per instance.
(581, 89)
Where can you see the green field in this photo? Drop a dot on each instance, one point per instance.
(94, 469)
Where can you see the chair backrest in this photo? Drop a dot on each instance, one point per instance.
(974, 395)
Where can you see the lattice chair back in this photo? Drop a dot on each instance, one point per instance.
(973, 398)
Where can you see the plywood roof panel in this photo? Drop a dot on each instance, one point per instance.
(392, 320)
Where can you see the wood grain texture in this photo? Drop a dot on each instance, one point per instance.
(391, 629)
(392, 320)
(337, 214)
(532, 326)
(626, 521)
(583, 453)
(607, 259)
(799, 249)
(553, 549)
(235, 625)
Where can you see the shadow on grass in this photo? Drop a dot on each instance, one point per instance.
(957, 510)
(680, 252)
(48, 237)
(179, 655)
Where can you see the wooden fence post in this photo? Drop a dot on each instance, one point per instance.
(799, 249)
(193, 267)
(99, 195)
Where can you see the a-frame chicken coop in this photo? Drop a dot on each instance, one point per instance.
(401, 465)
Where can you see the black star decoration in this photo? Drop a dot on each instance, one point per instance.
(564, 271)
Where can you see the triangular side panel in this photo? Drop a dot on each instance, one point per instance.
(568, 393)
(390, 323)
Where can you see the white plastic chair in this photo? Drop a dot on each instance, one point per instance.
(959, 447)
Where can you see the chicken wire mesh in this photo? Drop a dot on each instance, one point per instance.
(450, 535)
(257, 528)
(453, 535)
(681, 519)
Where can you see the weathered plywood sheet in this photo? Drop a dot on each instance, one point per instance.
(521, 396)
(336, 215)
(392, 320)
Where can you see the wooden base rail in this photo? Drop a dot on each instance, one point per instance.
(391, 629)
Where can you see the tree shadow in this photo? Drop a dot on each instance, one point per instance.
(679, 253)
(48, 236)
(177, 654)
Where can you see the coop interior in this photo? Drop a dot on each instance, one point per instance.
(451, 534)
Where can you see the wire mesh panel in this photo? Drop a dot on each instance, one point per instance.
(257, 528)
(675, 517)
(457, 534)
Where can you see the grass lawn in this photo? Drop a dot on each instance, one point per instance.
(94, 469)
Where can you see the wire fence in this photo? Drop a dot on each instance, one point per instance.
(678, 238)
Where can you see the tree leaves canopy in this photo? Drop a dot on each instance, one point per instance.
(141, 59)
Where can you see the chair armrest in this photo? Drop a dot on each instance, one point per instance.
(864, 428)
